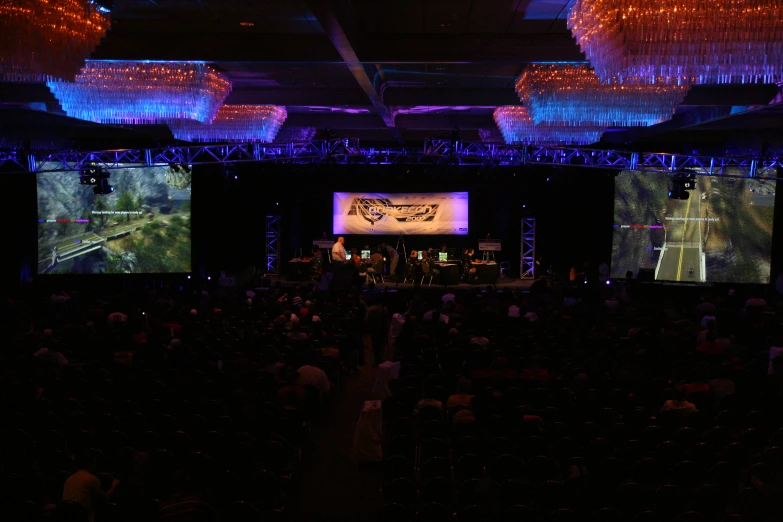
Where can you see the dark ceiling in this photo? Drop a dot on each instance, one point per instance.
(380, 71)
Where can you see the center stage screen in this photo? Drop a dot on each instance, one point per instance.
(722, 233)
(414, 214)
(143, 226)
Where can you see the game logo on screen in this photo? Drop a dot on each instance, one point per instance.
(703, 229)
(122, 221)
(414, 214)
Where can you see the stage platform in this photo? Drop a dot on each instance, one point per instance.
(506, 284)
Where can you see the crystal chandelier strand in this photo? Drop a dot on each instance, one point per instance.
(516, 126)
(41, 40)
(696, 41)
(572, 95)
(143, 92)
(235, 123)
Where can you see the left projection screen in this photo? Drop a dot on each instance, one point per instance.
(142, 227)
(414, 214)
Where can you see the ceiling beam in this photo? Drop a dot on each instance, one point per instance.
(317, 48)
(445, 121)
(732, 95)
(324, 11)
(411, 97)
(214, 47)
(298, 96)
(335, 120)
(470, 48)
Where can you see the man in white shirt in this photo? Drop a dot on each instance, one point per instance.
(338, 251)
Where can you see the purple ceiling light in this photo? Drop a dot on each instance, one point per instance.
(290, 133)
(347, 110)
(517, 126)
(234, 123)
(143, 92)
(572, 95)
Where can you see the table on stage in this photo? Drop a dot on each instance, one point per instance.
(449, 273)
(299, 269)
(486, 273)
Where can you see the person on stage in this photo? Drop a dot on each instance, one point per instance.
(392, 256)
(468, 272)
(338, 251)
(356, 267)
(412, 267)
(339, 258)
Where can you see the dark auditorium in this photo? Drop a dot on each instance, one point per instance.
(418, 261)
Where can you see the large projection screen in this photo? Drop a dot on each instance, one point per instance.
(142, 227)
(414, 214)
(721, 234)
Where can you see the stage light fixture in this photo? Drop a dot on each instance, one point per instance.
(681, 183)
(93, 175)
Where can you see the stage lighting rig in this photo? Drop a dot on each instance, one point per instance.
(98, 178)
(92, 175)
(681, 183)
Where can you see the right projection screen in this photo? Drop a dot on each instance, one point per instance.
(722, 233)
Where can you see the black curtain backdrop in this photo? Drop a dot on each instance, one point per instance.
(573, 208)
(20, 214)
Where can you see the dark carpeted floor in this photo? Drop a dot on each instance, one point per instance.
(331, 487)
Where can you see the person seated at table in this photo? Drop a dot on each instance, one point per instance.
(412, 267)
(356, 267)
(428, 266)
(468, 271)
(356, 259)
(376, 256)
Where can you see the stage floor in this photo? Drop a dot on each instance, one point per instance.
(504, 283)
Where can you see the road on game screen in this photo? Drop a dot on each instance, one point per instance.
(682, 259)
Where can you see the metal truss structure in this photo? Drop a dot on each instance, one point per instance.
(344, 151)
(272, 245)
(527, 258)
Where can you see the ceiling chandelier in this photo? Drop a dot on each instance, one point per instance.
(237, 123)
(48, 39)
(573, 95)
(696, 41)
(517, 126)
(143, 92)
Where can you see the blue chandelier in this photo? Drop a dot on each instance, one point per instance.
(572, 95)
(143, 92)
(517, 127)
(234, 123)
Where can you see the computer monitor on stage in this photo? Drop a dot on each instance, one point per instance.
(419, 255)
(365, 254)
(348, 256)
(443, 256)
